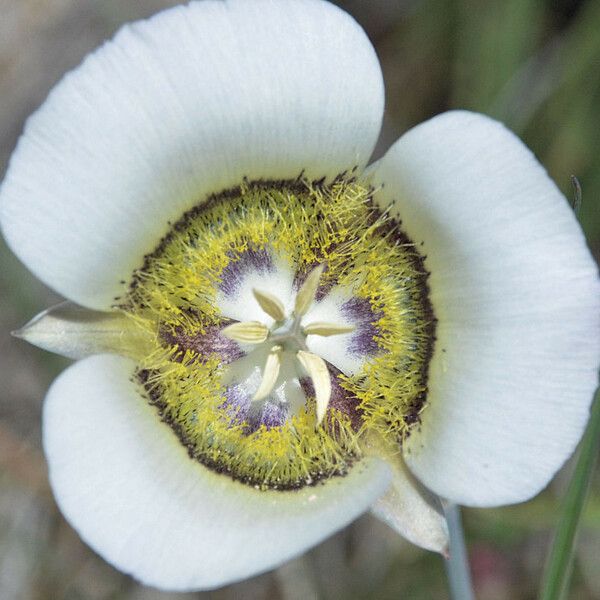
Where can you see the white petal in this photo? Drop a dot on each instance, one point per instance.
(177, 107)
(128, 487)
(342, 350)
(517, 296)
(414, 512)
(236, 298)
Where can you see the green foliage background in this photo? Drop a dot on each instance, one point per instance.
(534, 64)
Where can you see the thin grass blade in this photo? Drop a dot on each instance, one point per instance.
(557, 574)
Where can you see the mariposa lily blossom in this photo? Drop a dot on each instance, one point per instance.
(273, 337)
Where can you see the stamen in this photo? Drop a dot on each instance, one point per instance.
(327, 329)
(270, 304)
(319, 373)
(270, 374)
(306, 294)
(249, 332)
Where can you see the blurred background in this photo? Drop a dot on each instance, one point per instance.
(534, 64)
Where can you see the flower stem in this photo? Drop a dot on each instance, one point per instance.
(557, 574)
(457, 565)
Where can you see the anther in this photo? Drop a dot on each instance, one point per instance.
(317, 370)
(249, 332)
(270, 304)
(327, 329)
(270, 374)
(308, 290)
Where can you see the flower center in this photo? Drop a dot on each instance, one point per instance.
(291, 320)
(287, 335)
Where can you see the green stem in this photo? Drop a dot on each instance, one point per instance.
(457, 565)
(557, 574)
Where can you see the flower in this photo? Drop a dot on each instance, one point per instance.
(274, 339)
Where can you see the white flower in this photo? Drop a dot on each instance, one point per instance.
(271, 110)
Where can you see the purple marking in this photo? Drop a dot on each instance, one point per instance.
(273, 414)
(341, 399)
(240, 408)
(204, 344)
(359, 311)
(241, 265)
(236, 403)
(362, 342)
